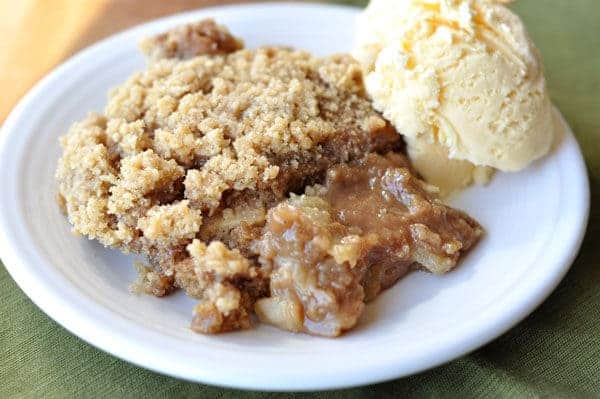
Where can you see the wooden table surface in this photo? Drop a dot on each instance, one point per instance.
(39, 34)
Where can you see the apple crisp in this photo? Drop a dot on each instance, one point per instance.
(261, 182)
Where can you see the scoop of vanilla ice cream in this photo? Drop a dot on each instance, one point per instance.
(459, 75)
(449, 175)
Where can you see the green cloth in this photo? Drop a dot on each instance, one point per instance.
(553, 353)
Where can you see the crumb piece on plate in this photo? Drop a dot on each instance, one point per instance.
(187, 41)
(150, 282)
(224, 276)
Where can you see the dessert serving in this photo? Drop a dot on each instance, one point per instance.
(265, 183)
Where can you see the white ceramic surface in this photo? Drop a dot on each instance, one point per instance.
(535, 221)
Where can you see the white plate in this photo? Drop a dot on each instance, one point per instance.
(535, 221)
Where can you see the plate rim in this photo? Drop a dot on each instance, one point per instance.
(16, 260)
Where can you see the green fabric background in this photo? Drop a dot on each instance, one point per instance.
(553, 353)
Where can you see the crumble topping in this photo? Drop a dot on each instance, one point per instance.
(171, 222)
(218, 259)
